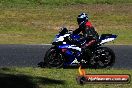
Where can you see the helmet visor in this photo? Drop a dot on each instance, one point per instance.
(80, 20)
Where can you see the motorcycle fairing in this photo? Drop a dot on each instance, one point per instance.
(104, 38)
(59, 38)
(70, 47)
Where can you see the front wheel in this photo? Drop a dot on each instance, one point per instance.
(104, 57)
(53, 58)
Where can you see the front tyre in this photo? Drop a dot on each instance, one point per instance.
(53, 58)
(104, 57)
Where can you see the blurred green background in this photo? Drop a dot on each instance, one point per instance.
(38, 21)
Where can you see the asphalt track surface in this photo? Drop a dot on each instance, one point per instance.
(31, 55)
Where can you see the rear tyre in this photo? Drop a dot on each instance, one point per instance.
(104, 57)
(53, 58)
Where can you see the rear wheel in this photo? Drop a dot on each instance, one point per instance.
(104, 57)
(53, 58)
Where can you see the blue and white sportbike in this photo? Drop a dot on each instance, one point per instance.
(66, 51)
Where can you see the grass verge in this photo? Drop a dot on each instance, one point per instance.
(53, 78)
(34, 3)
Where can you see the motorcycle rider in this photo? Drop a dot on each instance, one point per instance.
(87, 30)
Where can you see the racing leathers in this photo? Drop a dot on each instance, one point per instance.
(89, 34)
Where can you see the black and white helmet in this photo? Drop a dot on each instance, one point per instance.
(83, 17)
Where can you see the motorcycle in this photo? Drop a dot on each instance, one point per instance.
(65, 52)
